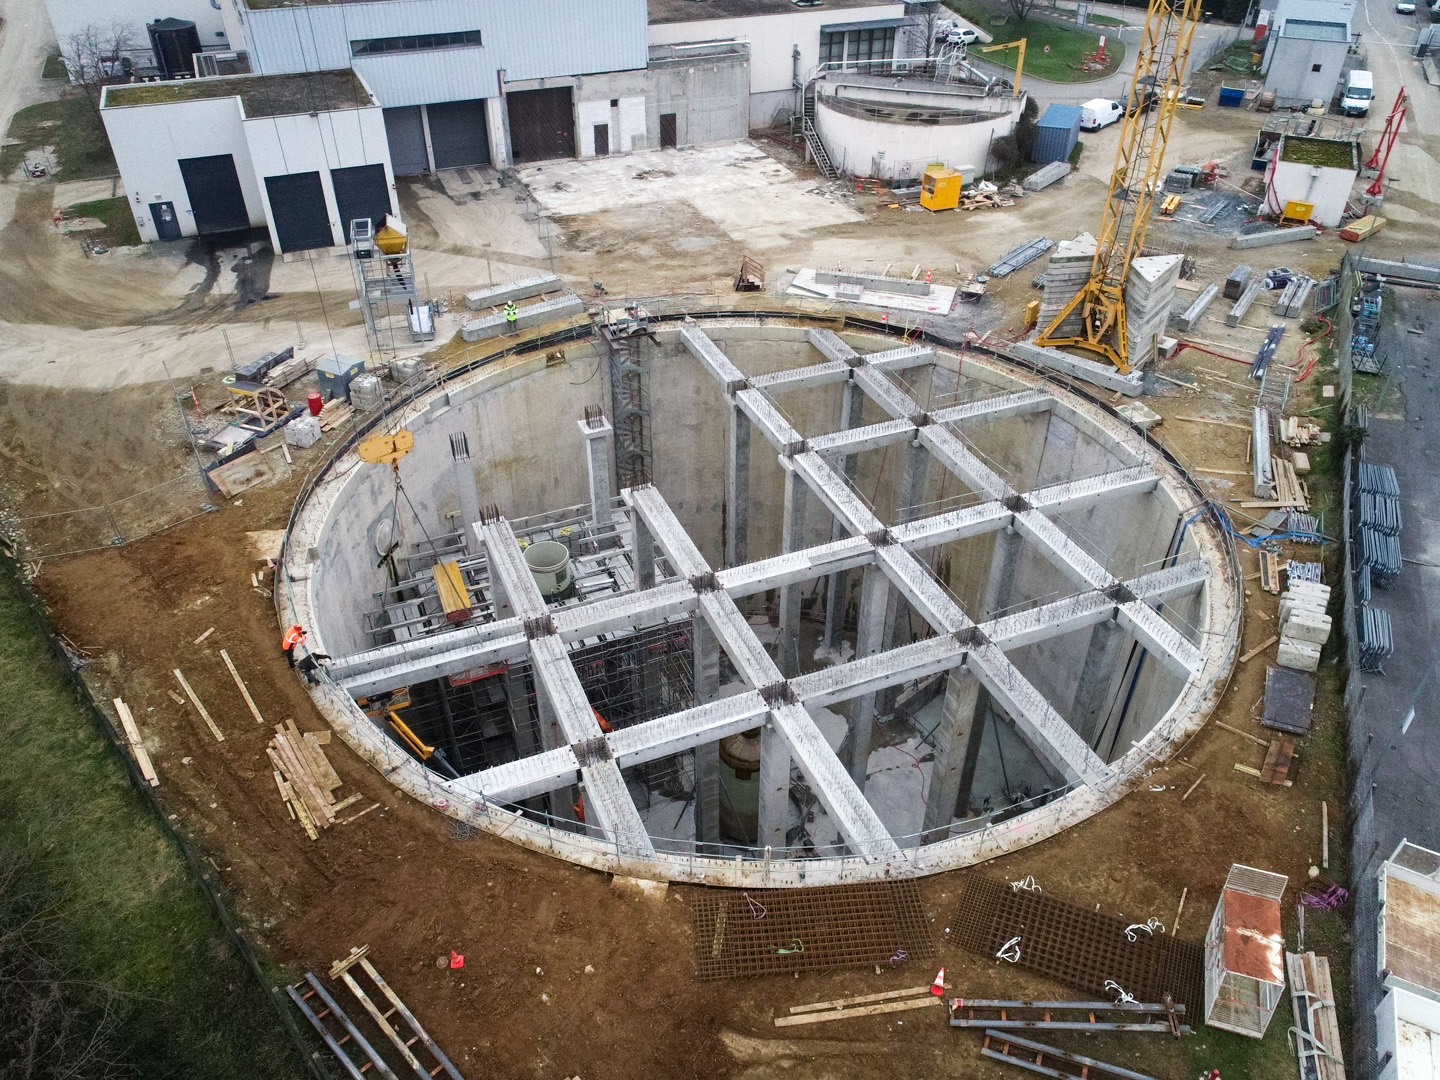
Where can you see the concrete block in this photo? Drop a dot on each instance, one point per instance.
(1066, 273)
(1300, 655)
(874, 282)
(1043, 178)
(1266, 237)
(530, 315)
(1191, 315)
(1102, 375)
(523, 289)
(1290, 608)
(1303, 626)
(303, 431)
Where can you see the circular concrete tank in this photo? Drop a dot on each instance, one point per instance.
(1042, 608)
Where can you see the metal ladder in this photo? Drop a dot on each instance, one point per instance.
(812, 137)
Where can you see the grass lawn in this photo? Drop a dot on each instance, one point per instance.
(54, 68)
(101, 928)
(73, 127)
(1063, 63)
(120, 230)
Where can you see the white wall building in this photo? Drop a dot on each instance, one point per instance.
(70, 18)
(298, 155)
(1277, 13)
(1317, 171)
(1304, 61)
(786, 43)
(1407, 1020)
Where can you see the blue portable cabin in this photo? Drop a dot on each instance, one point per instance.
(1055, 134)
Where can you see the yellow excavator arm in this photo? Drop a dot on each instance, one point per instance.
(1139, 164)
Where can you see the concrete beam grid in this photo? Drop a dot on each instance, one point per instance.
(779, 695)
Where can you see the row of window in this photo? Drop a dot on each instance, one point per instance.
(851, 46)
(414, 43)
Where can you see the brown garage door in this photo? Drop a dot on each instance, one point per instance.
(542, 124)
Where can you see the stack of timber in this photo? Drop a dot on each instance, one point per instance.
(452, 592)
(1297, 432)
(284, 374)
(335, 413)
(1362, 228)
(305, 778)
(1290, 490)
(1317, 1027)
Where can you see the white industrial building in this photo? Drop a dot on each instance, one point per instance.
(787, 42)
(72, 19)
(299, 155)
(1306, 42)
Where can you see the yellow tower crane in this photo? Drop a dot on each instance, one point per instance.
(1019, 58)
(1139, 161)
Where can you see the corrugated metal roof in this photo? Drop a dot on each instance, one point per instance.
(1059, 116)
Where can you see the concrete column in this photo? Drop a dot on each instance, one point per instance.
(598, 433)
(563, 799)
(644, 554)
(737, 495)
(774, 787)
(912, 481)
(1095, 688)
(792, 538)
(957, 746)
(870, 635)
(707, 755)
(495, 129)
(852, 407)
(469, 495)
(1005, 560)
(429, 147)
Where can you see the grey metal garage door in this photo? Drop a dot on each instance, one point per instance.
(457, 134)
(215, 195)
(542, 124)
(360, 192)
(297, 206)
(406, 135)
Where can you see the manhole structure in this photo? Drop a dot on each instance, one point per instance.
(751, 603)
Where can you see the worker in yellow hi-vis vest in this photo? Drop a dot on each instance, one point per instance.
(512, 314)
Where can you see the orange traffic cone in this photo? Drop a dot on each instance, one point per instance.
(456, 960)
(938, 986)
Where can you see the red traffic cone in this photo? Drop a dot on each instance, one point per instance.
(456, 960)
(938, 986)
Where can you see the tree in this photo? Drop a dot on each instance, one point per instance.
(97, 56)
(928, 24)
(1021, 8)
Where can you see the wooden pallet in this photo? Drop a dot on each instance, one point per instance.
(1278, 759)
(305, 777)
(1317, 1027)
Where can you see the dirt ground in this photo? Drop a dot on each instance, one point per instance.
(101, 421)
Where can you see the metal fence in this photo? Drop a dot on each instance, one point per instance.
(194, 863)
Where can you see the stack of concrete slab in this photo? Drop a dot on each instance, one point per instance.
(530, 315)
(1304, 624)
(506, 291)
(1149, 292)
(1067, 272)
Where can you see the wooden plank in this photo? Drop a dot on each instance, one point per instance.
(137, 747)
(1258, 649)
(200, 708)
(450, 589)
(175, 697)
(323, 770)
(300, 779)
(863, 1010)
(316, 764)
(362, 813)
(348, 962)
(1243, 734)
(1192, 787)
(863, 999)
(415, 1025)
(384, 1024)
(351, 801)
(244, 691)
(1215, 423)
(287, 792)
(203, 636)
(285, 797)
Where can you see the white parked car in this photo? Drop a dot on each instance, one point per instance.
(965, 36)
(1405, 7)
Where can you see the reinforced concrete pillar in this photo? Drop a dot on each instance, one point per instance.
(869, 638)
(1095, 689)
(737, 494)
(792, 538)
(774, 787)
(644, 553)
(469, 498)
(598, 434)
(707, 755)
(912, 481)
(562, 799)
(1005, 560)
(852, 406)
(957, 747)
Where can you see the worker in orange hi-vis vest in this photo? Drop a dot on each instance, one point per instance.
(294, 636)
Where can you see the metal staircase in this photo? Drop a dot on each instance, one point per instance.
(629, 396)
(812, 137)
(385, 285)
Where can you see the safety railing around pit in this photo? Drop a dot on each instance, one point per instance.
(195, 864)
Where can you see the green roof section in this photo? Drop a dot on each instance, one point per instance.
(1325, 153)
(260, 95)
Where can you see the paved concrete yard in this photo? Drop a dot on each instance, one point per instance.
(747, 193)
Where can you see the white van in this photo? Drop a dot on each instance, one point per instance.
(1359, 90)
(1098, 113)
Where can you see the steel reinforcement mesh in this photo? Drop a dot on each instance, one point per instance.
(1079, 947)
(769, 932)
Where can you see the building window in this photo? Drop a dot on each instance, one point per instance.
(414, 43)
(857, 46)
(614, 102)
(1314, 67)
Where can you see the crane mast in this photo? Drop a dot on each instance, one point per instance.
(1139, 161)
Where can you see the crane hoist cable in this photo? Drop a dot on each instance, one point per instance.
(1139, 160)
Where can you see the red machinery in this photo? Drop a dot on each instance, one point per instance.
(1381, 157)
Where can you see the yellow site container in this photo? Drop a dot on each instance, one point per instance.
(940, 188)
(1032, 314)
(1297, 211)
